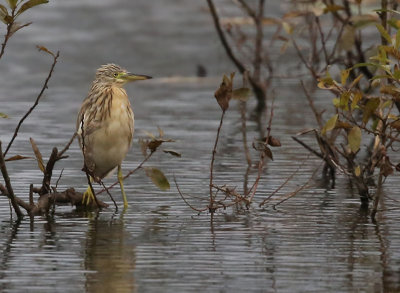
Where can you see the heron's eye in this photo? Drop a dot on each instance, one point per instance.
(115, 74)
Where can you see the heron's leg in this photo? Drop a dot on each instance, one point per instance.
(121, 184)
(88, 196)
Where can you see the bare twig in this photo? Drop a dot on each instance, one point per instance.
(308, 148)
(323, 41)
(259, 40)
(300, 188)
(258, 87)
(186, 202)
(44, 87)
(60, 154)
(129, 173)
(261, 160)
(59, 178)
(213, 158)
(8, 34)
(109, 194)
(283, 184)
(48, 172)
(223, 39)
(10, 191)
(312, 106)
(247, 8)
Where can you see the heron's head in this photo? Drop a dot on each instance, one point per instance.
(112, 74)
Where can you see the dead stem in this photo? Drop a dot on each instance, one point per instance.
(128, 174)
(293, 193)
(186, 202)
(10, 191)
(213, 159)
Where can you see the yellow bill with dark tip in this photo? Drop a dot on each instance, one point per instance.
(132, 77)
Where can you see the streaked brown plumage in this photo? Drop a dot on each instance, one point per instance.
(105, 123)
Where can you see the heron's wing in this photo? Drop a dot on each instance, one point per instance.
(87, 121)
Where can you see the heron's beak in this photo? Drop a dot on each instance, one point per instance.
(132, 77)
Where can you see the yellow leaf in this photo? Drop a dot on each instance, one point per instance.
(38, 155)
(330, 124)
(356, 98)
(242, 94)
(287, 27)
(356, 81)
(384, 33)
(370, 108)
(354, 139)
(344, 74)
(357, 171)
(346, 42)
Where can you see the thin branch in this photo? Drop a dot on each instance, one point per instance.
(109, 194)
(60, 154)
(213, 158)
(10, 191)
(258, 88)
(308, 148)
(323, 41)
(247, 8)
(35, 104)
(48, 172)
(186, 202)
(129, 173)
(259, 40)
(222, 37)
(283, 184)
(293, 193)
(312, 106)
(8, 34)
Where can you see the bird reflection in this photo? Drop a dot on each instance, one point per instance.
(109, 257)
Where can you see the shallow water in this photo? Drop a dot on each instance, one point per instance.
(318, 241)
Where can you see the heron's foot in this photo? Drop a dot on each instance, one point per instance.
(88, 197)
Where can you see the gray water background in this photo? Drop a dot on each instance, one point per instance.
(318, 241)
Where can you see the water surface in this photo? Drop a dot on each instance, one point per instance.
(318, 241)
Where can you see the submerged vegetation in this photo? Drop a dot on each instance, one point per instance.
(345, 47)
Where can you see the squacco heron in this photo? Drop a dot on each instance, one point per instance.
(105, 125)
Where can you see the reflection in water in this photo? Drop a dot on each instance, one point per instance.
(7, 250)
(109, 257)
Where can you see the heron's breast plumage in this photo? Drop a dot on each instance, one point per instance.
(108, 137)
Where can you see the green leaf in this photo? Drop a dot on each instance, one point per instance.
(347, 39)
(336, 102)
(333, 8)
(344, 101)
(4, 17)
(397, 44)
(29, 4)
(3, 9)
(370, 108)
(12, 3)
(356, 98)
(384, 33)
(242, 94)
(356, 81)
(2, 115)
(158, 178)
(330, 124)
(354, 139)
(173, 153)
(396, 73)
